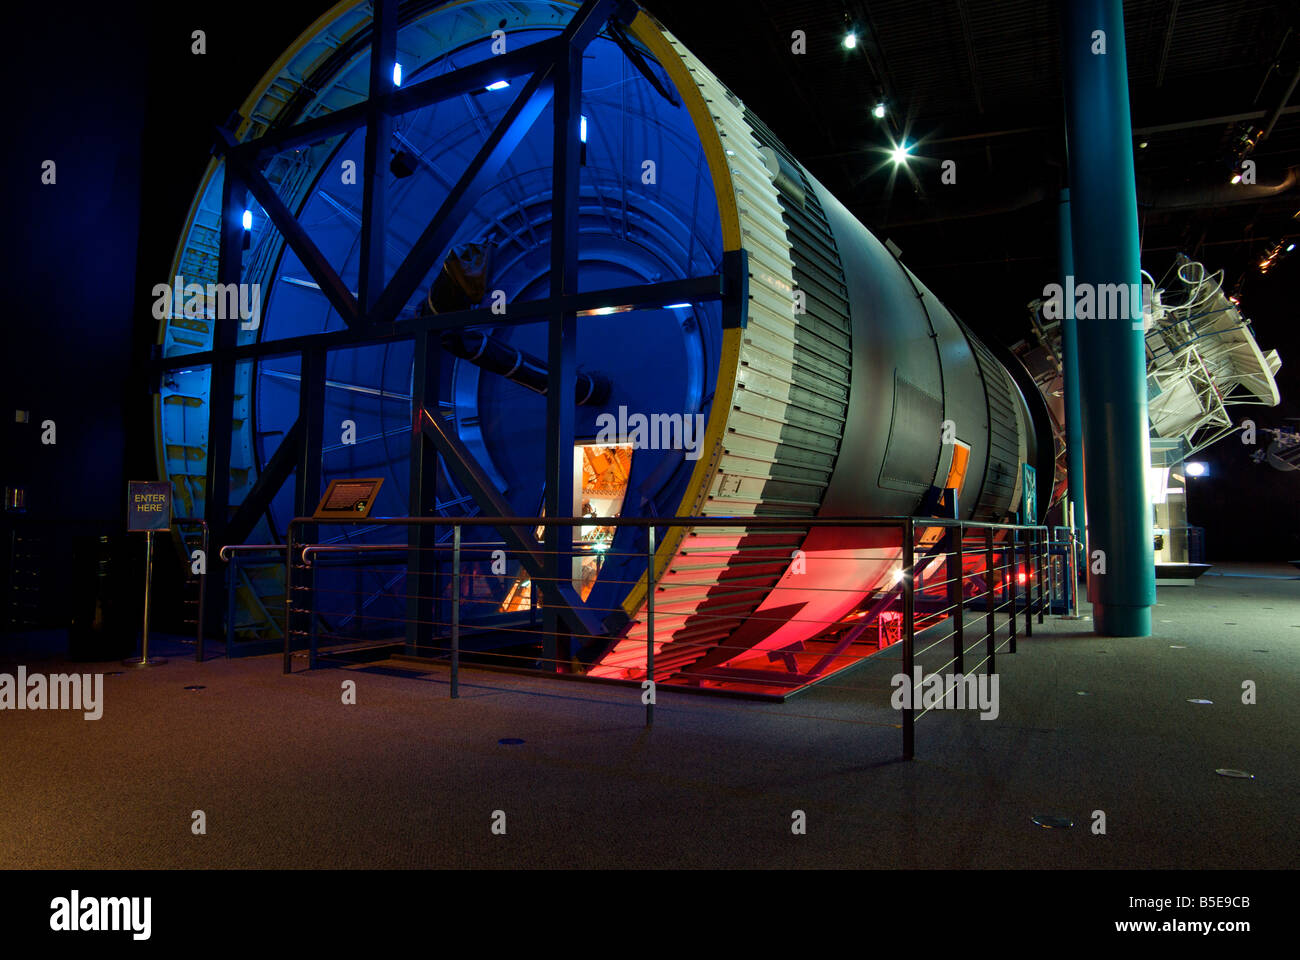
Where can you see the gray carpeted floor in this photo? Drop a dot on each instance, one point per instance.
(288, 776)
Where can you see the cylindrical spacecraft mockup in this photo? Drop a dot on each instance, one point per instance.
(847, 388)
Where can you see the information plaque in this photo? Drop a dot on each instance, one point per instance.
(348, 498)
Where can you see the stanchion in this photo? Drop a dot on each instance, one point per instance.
(232, 583)
(144, 660)
(1040, 554)
(1011, 577)
(990, 625)
(1051, 572)
(1072, 569)
(650, 625)
(956, 594)
(909, 637)
(455, 611)
(288, 597)
(311, 619)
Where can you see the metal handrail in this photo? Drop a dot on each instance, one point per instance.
(311, 550)
(1032, 542)
(232, 548)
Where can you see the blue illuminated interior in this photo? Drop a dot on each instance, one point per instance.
(657, 361)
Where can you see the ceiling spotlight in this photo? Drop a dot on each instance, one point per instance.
(1290, 247)
(1195, 468)
(397, 74)
(498, 85)
(1142, 145)
(247, 220)
(1236, 178)
(850, 40)
(878, 111)
(900, 154)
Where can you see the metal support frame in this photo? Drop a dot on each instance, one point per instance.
(269, 480)
(422, 563)
(379, 138)
(221, 388)
(554, 68)
(311, 419)
(561, 346)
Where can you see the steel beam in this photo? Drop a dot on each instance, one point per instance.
(326, 277)
(561, 352)
(269, 482)
(311, 417)
(468, 79)
(221, 384)
(379, 138)
(730, 286)
(422, 562)
(519, 539)
(433, 243)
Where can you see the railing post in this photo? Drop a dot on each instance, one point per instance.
(232, 575)
(1029, 585)
(1013, 587)
(1051, 570)
(990, 625)
(650, 625)
(288, 594)
(956, 594)
(909, 635)
(455, 609)
(203, 589)
(1074, 575)
(311, 620)
(1040, 543)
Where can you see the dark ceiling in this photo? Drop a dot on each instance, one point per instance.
(978, 82)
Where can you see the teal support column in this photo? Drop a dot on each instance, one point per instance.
(1112, 353)
(1070, 376)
